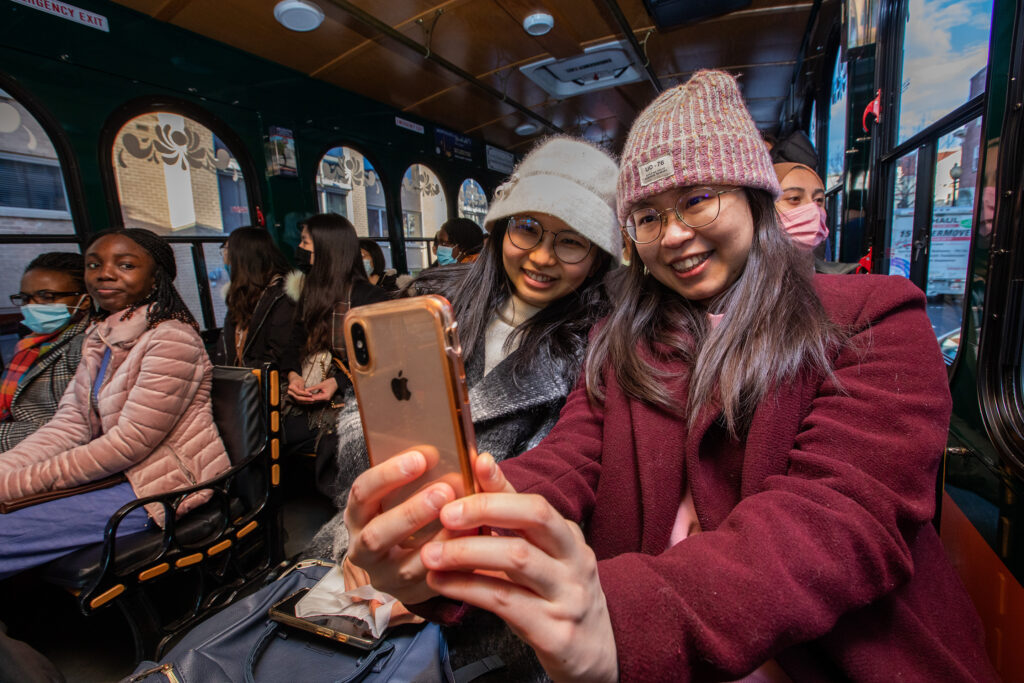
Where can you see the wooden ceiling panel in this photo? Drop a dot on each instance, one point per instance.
(462, 108)
(150, 7)
(485, 38)
(389, 73)
(250, 25)
(588, 19)
(506, 42)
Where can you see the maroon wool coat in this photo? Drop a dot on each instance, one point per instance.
(817, 546)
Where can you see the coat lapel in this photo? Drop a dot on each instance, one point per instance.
(498, 394)
(661, 442)
(50, 357)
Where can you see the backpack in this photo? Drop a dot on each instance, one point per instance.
(240, 643)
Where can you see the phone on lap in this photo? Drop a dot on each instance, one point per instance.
(406, 365)
(338, 628)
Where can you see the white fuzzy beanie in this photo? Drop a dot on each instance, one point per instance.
(567, 178)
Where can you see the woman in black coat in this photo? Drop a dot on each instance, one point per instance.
(258, 326)
(332, 278)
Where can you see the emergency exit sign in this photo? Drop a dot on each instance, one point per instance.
(69, 12)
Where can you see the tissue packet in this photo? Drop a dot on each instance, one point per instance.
(367, 607)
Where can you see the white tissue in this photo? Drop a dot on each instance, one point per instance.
(329, 597)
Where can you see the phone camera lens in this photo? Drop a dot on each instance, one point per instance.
(362, 354)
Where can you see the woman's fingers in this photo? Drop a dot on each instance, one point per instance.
(370, 487)
(523, 562)
(510, 601)
(489, 477)
(526, 514)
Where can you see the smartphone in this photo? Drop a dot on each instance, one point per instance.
(333, 627)
(406, 365)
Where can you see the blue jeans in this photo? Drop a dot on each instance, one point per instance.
(33, 536)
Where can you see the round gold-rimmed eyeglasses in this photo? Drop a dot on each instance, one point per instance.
(526, 233)
(696, 208)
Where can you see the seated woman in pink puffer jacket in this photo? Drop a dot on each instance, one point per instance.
(139, 404)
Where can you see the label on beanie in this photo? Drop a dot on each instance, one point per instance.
(653, 171)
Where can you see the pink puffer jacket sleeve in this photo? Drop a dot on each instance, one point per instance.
(170, 374)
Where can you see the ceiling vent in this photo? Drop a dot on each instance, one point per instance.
(671, 13)
(599, 67)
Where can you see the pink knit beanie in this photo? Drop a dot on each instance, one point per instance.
(698, 133)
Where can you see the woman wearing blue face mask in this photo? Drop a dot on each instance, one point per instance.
(459, 241)
(55, 308)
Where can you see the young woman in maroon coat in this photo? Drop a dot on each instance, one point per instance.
(743, 485)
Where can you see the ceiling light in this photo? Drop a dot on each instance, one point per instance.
(298, 15)
(538, 24)
(527, 128)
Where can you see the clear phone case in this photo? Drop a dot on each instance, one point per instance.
(411, 388)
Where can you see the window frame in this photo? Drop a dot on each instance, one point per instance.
(68, 162)
(239, 151)
(887, 151)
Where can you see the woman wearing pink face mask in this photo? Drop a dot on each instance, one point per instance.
(802, 213)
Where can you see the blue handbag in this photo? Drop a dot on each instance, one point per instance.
(240, 643)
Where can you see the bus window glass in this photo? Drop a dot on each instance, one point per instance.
(956, 175)
(347, 184)
(472, 201)
(33, 200)
(13, 260)
(901, 230)
(176, 178)
(217, 276)
(424, 210)
(185, 283)
(836, 150)
(945, 53)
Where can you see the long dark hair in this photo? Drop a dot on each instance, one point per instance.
(255, 260)
(167, 304)
(69, 263)
(774, 327)
(556, 334)
(337, 265)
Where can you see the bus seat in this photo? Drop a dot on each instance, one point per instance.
(227, 543)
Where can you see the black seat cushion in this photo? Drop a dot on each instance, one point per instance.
(139, 550)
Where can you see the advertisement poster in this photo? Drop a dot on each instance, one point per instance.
(281, 152)
(452, 145)
(948, 254)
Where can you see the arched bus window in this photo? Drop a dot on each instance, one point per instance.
(33, 202)
(178, 178)
(424, 210)
(347, 184)
(472, 201)
(936, 190)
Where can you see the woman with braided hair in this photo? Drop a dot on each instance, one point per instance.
(139, 405)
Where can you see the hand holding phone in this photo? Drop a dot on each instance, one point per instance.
(406, 366)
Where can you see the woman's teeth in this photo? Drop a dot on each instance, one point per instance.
(538, 277)
(691, 262)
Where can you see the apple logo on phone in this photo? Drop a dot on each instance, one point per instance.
(400, 387)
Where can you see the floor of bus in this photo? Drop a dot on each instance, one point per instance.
(98, 649)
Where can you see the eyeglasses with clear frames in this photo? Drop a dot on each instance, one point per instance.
(695, 208)
(526, 233)
(43, 296)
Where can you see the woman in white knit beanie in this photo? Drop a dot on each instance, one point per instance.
(524, 309)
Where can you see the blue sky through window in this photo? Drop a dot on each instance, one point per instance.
(945, 48)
